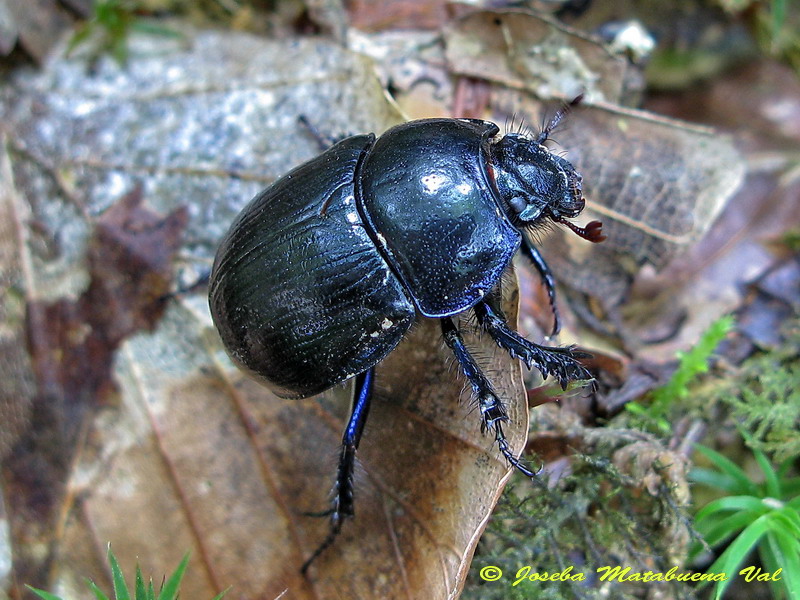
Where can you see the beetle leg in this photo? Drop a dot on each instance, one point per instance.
(493, 411)
(550, 360)
(342, 505)
(533, 254)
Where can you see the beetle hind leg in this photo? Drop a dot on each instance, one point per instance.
(342, 505)
(562, 363)
(493, 411)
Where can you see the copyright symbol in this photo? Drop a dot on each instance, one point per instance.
(491, 573)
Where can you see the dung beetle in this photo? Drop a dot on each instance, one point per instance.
(323, 272)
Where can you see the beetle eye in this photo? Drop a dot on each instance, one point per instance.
(518, 204)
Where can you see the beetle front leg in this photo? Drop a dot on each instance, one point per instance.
(342, 506)
(532, 253)
(493, 411)
(550, 360)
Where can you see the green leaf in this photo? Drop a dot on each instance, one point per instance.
(786, 557)
(120, 587)
(745, 486)
(732, 504)
(141, 591)
(714, 479)
(773, 486)
(42, 594)
(170, 589)
(735, 554)
(789, 521)
(221, 594)
(98, 593)
(726, 528)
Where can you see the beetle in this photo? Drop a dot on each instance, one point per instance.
(320, 276)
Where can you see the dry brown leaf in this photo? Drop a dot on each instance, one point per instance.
(209, 461)
(523, 51)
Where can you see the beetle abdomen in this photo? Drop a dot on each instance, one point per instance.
(426, 196)
(299, 292)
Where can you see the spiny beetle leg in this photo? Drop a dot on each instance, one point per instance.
(562, 363)
(342, 505)
(533, 254)
(493, 412)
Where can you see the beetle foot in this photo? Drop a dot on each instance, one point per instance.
(493, 414)
(561, 363)
(493, 411)
(337, 518)
(341, 507)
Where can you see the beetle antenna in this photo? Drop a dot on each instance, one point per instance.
(593, 232)
(557, 118)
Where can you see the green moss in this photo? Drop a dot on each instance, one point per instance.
(621, 506)
(765, 397)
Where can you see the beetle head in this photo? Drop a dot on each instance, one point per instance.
(536, 184)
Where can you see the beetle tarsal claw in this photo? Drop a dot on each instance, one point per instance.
(561, 363)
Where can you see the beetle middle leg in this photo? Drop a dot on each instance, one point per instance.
(532, 253)
(342, 504)
(550, 360)
(493, 411)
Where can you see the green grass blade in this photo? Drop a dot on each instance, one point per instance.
(789, 560)
(42, 594)
(714, 479)
(735, 554)
(745, 486)
(792, 515)
(791, 487)
(120, 587)
(725, 529)
(221, 594)
(170, 589)
(732, 504)
(141, 591)
(98, 593)
(789, 521)
(771, 481)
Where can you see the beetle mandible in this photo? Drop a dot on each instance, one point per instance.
(323, 272)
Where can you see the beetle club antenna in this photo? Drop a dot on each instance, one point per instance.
(557, 118)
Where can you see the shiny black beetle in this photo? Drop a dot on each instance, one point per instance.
(323, 272)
